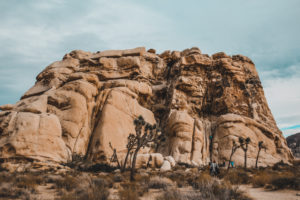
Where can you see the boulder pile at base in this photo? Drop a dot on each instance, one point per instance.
(87, 101)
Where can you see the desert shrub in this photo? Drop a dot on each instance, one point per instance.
(133, 189)
(179, 177)
(213, 188)
(5, 177)
(197, 181)
(107, 180)
(28, 181)
(76, 160)
(102, 181)
(98, 167)
(129, 191)
(285, 181)
(236, 176)
(276, 179)
(280, 165)
(95, 189)
(68, 182)
(118, 178)
(14, 193)
(177, 195)
(221, 190)
(66, 196)
(160, 183)
(261, 179)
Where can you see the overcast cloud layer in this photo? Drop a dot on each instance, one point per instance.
(34, 33)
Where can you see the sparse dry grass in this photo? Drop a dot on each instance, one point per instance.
(129, 192)
(276, 180)
(79, 185)
(29, 181)
(89, 189)
(68, 182)
(179, 177)
(175, 194)
(206, 188)
(157, 182)
(134, 189)
(213, 188)
(236, 176)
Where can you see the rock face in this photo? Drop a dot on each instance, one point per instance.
(87, 100)
(293, 142)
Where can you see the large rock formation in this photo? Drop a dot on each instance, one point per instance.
(81, 104)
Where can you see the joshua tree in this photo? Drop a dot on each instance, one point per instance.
(114, 157)
(244, 145)
(131, 143)
(145, 134)
(260, 146)
(235, 146)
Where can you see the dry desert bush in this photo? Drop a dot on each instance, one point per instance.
(236, 176)
(132, 190)
(175, 194)
(89, 189)
(18, 185)
(276, 180)
(206, 188)
(158, 182)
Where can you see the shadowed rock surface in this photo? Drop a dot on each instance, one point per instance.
(85, 101)
(293, 142)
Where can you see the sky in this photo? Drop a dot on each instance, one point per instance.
(35, 33)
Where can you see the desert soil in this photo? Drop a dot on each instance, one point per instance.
(262, 194)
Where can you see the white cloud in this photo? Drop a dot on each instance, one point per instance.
(34, 37)
(283, 96)
(35, 33)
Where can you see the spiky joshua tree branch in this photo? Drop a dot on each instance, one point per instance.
(235, 146)
(244, 145)
(260, 147)
(145, 135)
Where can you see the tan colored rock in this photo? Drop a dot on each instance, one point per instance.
(116, 121)
(158, 159)
(87, 100)
(110, 53)
(35, 104)
(33, 136)
(220, 55)
(7, 107)
(139, 51)
(166, 166)
(171, 160)
(180, 134)
(154, 160)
